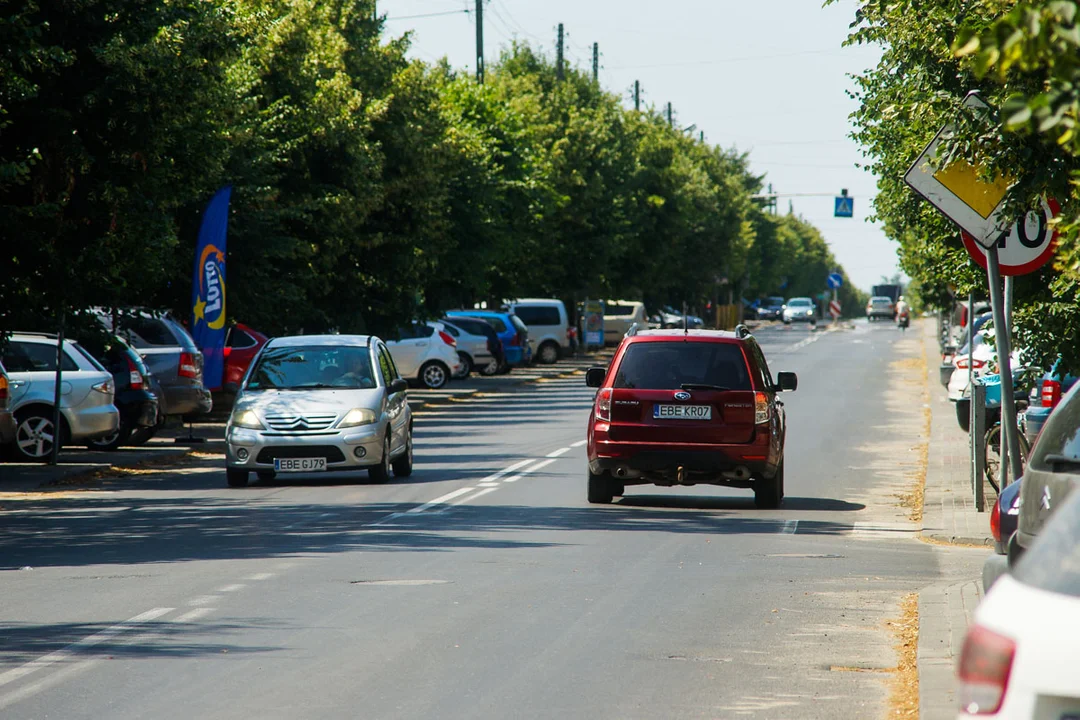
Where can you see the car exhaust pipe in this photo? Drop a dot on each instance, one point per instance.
(620, 472)
(680, 476)
(741, 473)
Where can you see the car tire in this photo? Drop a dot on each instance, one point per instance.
(466, 367)
(142, 435)
(769, 494)
(787, 322)
(434, 375)
(110, 442)
(381, 473)
(548, 353)
(33, 425)
(403, 465)
(236, 478)
(600, 491)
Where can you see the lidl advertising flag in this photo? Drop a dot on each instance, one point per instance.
(208, 288)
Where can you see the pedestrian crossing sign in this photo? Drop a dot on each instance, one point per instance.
(845, 207)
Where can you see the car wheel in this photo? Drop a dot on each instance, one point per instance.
(381, 473)
(142, 435)
(434, 375)
(111, 442)
(601, 491)
(549, 353)
(404, 464)
(34, 435)
(236, 478)
(769, 494)
(466, 367)
(492, 368)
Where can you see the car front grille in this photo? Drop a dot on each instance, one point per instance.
(332, 454)
(300, 423)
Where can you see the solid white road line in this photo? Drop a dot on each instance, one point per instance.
(87, 642)
(232, 588)
(470, 498)
(260, 576)
(195, 614)
(439, 501)
(527, 471)
(204, 600)
(507, 471)
(579, 443)
(557, 453)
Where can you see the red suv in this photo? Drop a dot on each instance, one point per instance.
(682, 407)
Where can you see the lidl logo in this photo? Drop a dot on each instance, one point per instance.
(210, 304)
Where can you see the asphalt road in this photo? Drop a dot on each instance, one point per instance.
(485, 586)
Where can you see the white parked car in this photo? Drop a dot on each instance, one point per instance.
(426, 353)
(549, 327)
(619, 316)
(472, 349)
(982, 360)
(86, 401)
(1021, 657)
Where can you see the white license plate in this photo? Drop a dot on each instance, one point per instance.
(299, 464)
(682, 412)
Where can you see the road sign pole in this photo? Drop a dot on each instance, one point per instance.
(1010, 445)
(836, 318)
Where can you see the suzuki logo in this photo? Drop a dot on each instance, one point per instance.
(1046, 498)
(682, 395)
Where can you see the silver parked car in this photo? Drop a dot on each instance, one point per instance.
(86, 401)
(472, 349)
(315, 403)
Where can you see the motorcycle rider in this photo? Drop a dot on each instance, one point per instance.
(903, 313)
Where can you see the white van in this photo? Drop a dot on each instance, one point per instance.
(619, 316)
(549, 327)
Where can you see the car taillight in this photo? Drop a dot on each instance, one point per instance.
(3, 390)
(516, 340)
(446, 338)
(976, 364)
(188, 366)
(603, 405)
(134, 376)
(1051, 393)
(995, 521)
(106, 387)
(985, 664)
(762, 412)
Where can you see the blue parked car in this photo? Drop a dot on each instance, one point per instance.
(1044, 398)
(512, 332)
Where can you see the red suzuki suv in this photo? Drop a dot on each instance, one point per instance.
(679, 407)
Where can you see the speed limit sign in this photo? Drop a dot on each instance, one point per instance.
(1027, 246)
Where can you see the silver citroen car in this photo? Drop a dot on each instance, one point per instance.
(319, 403)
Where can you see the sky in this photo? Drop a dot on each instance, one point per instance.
(767, 77)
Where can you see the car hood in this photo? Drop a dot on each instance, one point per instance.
(272, 402)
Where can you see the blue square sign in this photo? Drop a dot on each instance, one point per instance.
(845, 207)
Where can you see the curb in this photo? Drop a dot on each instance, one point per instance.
(960, 540)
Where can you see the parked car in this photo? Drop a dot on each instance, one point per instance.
(1052, 472)
(880, 306)
(1003, 519)
(242, 344)
(800, 309)
(1019, 655)
(134, 398)
(975, 351)
(620, 316)
(475, 326)
(686, 408)
(472, 349)
(669, 317)
(86, 402)
(1045, 396)
(549, 327)
(317, 403)
(173, 358)
(512, 332)
(770, 308)
(7, 417)
(425, 353)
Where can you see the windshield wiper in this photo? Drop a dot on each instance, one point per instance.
(702, 386)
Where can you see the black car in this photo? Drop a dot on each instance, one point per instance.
(135, 397)
(771, 308)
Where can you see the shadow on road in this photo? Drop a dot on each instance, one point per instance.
(735, 503)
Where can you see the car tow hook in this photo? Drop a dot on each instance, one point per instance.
(681, 475)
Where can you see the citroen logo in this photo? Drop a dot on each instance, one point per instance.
(1046, 498)
(682, 395)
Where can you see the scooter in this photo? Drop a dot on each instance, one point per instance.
(903, 320)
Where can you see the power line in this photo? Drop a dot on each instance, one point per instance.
(429, 15)
(514, 22)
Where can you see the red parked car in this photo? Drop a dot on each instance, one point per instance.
(242, 344)
(688, 407)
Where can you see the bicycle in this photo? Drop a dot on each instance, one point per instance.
(992, 445)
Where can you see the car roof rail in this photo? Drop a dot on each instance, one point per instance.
(632, 331)
(741, 331)
(33, 333)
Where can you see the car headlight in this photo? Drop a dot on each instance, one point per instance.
(247, 419)
(357, 416)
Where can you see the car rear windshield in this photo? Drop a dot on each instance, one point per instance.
(316, 366)
(538, 314)
(497, 323)
(670, 365)
(147, 332)
(1053, 562)
(473, 327)
(518, 325)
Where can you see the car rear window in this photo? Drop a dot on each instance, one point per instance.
(613, 309)
(520, 326)
(454, 332)
(670, 365)
(240, 339)
(1053, 562)
(497, 323)
(34, 357)
(144, 332)
(538, 314)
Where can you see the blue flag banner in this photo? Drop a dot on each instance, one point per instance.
(208, 289)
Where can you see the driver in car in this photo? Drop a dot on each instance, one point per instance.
(357, 373)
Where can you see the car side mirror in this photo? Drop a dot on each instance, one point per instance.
(398, 385)
(594, 376)
(787, 382)
(231, 388)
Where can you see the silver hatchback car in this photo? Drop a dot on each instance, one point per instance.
(317, 403)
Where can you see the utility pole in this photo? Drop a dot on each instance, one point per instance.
(480, 41)
(596, 62)
(670, 117)
(637, 96)
(702, 136)
(558, 54)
